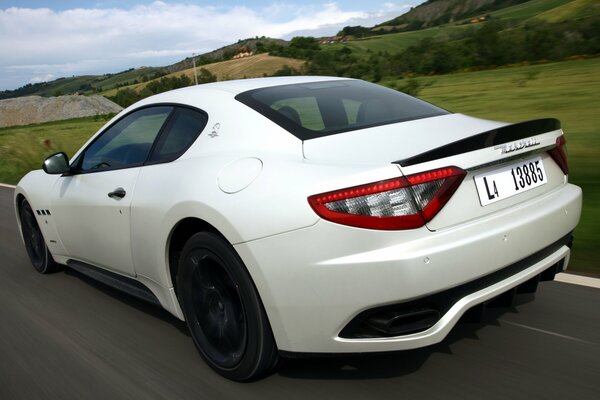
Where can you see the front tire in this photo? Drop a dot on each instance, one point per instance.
(223, 309)
(38, 252)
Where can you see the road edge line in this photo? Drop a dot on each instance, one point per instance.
(7, 185)
(565, 277)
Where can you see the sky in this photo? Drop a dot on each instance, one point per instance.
(45, 40)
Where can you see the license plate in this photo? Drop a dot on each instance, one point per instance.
(511, 180)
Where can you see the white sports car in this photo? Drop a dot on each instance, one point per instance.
(305, 215)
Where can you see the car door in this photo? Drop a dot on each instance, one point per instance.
(91, 206)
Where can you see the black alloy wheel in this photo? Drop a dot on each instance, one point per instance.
(223, 310)
(38, 252)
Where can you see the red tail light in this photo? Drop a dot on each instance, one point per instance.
(559, 154)
(401, 203)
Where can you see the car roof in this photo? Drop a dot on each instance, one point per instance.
(233, 88)
(242, 85)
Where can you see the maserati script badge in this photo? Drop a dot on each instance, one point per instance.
(522, 144)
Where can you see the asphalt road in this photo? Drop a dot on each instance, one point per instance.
(63, 336)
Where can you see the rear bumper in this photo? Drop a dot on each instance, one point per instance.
(315, 281)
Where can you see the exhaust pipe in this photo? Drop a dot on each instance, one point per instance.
(396, 323)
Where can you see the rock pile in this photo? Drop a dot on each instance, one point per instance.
(36, 109)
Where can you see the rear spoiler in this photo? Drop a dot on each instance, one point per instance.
(495, 137)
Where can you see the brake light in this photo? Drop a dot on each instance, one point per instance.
(559, 154)
(400, 203)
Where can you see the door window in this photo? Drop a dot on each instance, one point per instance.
(126, 143)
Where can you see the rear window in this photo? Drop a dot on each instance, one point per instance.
(316, 109)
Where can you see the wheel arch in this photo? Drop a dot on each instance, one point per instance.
(184, 229)
(179, 235)
(19, 197)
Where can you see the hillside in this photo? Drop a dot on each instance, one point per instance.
(572, 10)
(254, 66)
(522, 16)
(84, 84)
(92, 84)
(438, 12)
(248, 67)
(549, 10)
(225, 53)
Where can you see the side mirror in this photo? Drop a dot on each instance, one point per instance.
(56, 164)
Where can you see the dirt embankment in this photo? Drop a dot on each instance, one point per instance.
(36, 109)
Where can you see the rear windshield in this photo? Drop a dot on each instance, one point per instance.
(316, 109)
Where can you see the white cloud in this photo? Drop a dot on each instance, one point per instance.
(41, 42)
(45, 78)
(314, 18)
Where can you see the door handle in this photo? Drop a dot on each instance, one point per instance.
(118, 193)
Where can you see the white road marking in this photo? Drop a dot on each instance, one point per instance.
(546, 332)
(578, 280)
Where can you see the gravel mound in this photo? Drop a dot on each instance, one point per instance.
(35, 109)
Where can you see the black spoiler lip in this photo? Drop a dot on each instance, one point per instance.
(495, 137)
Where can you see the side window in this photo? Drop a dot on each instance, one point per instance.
(126, 143)
(181, 131)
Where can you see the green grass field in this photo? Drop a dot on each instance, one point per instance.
(395, 43)
(572, 10)
(23, 148)
(567, 90)
(530, 9)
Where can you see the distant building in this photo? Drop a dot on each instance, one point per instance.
(478, 19)
(334, 39)
(243, 54)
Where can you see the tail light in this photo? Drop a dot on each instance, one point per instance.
(400, 203)
(559, 154)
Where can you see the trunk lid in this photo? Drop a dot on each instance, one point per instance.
(482, 148)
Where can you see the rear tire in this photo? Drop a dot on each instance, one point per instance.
(223, 310)
(36, 247)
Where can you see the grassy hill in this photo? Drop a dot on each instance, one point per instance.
(248, 67)
(395, 42)
(437, 12)
(530, 9)
(127, 78)
(549, 10)
(87, 84)
(572, 10)
(226, 52)
(518, 14)
(90, 84)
